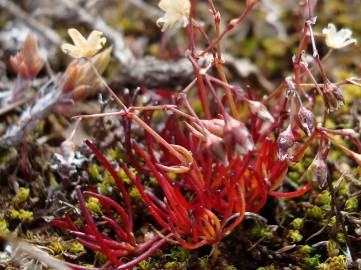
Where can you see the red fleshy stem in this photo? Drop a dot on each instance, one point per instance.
(117, 179)
(93, 228)
(290, 195)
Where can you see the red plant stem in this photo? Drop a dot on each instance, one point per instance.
(118, 230)
(230, 27)
(290, 195)
(155, 211)
(144, 255)
(117, 179)
(93, 228)
(109, 202)
(180, 211)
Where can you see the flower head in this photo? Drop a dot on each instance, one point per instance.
(306, 120)
(259, 109)
(176, 11)
(84, 47)
(285, 141)
(338, 39)
(27, 63)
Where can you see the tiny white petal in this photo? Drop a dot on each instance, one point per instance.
(337, 39)
(176, 12)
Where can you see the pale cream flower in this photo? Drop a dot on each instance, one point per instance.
(176, 11)
(84, 48)
(338, 39)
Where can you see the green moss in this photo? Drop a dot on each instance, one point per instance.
(100, 258)
(172, 265)
(338, 262)
(341, 238)
(22, 215)
(306, 249)
(258, 231)
(231, 267)
(294, 236)
(351, 204)
(315, 212)
(146, 264)
(344, 189)
(203, 262)
(94, 205)
(294, 175)
(332, 248)
(76, 248)
(52, 180)
(113, 154)
(57, 247)
(324, 199)
(297, 224)
(22, 195)
(314, 261)
(4, 227)
(179, 254)
(134, 193)
(94, 171)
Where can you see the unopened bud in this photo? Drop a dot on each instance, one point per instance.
(27, 63)
(215, 147)
(306, 120)
(319, 168)
(284, 142)
(236, 135)
(215, 126)
(259, 109)
(333, 96)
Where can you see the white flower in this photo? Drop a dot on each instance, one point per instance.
(176, 11)
(84, 47)
(338, 39)
(261, 110)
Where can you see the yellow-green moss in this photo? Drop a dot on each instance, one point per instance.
(100, 258)
(351, 204)
(315, 212)
(76, 248)
(134, 193)
(22, 195)
(94, 171)
(297, 224)
(94, 205)
(22, 215)
(324, 199)
(57, 247)
(332, 248)
(314, 261)
(294, 236)
(4, 227)
(306, 249)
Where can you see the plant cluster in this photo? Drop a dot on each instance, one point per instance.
(212, 162)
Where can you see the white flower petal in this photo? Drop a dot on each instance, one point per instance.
(176, 12)
(337, 39)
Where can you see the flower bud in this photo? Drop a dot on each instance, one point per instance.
(319, 168)
(80, 79)
(215, 147)
(333, 96)
(27, 63)
(259, 109)
(306, 120)
(215, 126)
(236, 135)
(284, 142)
